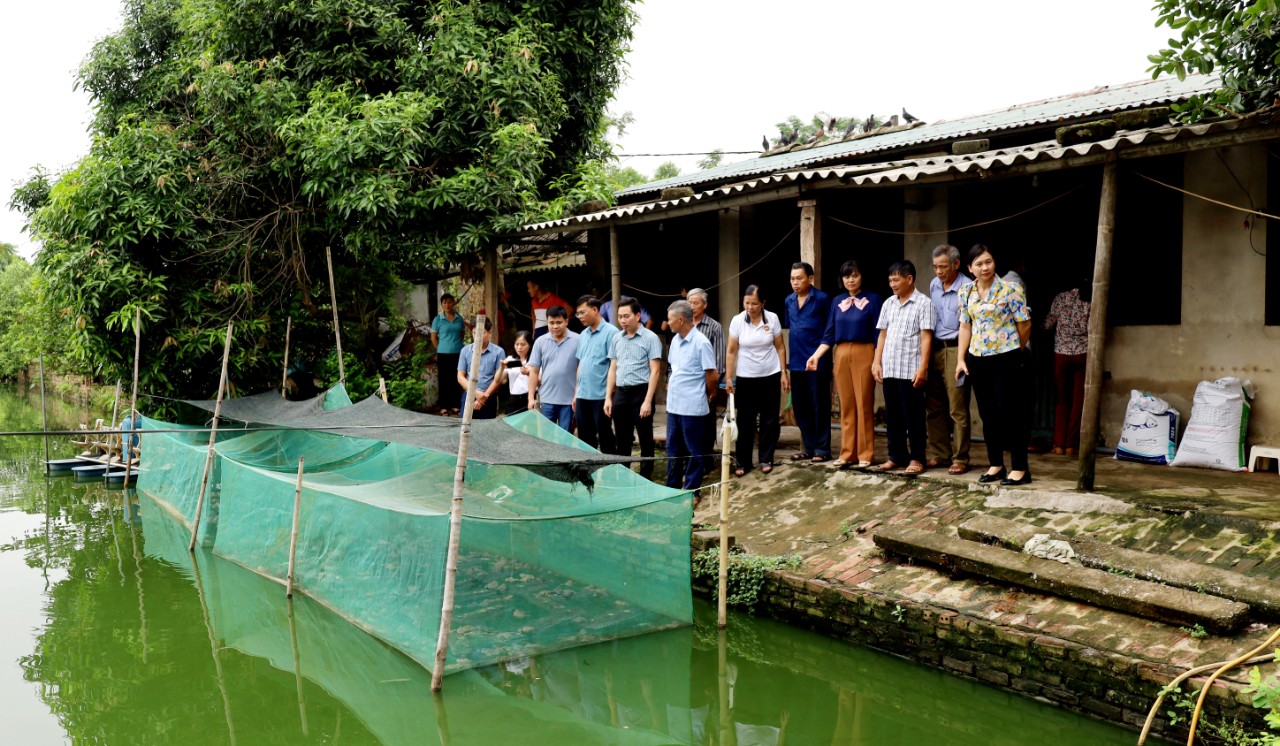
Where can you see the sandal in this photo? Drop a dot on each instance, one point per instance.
(801, 456)
(958, 468)
(820, 459)
(739, 472)
(915, 467)
(933, 463)
(766, 468)
(886, 466)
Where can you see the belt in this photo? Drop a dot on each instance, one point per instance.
(948, 342)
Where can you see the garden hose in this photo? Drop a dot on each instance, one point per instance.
(1195, 715)
(1155, 707)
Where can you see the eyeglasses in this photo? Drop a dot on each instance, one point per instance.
(579, 313)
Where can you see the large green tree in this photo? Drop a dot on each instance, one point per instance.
(235, 139)
(1232, 38)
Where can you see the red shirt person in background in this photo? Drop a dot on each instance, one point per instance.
(542, 300)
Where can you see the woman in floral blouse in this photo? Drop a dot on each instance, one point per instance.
(995, 326)
(1069, 318)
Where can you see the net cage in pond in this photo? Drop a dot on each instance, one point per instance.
(544, 563)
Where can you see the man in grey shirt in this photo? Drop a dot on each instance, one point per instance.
(553, 369)
(635, 367)
(714, 333)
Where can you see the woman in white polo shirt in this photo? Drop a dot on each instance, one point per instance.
(756, 369)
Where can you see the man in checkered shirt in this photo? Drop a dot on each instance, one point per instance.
(902, 365)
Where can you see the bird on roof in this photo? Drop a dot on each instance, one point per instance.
(870, 124)
(764, 143)
(853, 125)
(890, 122)
(828, 122)
(908, 118)
(795, 135)
(816, 136)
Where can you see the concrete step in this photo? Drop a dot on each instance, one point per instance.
(1104, 589)
(1262, 596)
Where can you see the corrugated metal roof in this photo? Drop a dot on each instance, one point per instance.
(903, 171)
(1063, 108)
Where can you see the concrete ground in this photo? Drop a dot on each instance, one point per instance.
(828, 515)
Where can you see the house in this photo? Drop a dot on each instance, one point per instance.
(1191, 296)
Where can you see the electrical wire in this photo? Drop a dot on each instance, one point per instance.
(1247, 195)
(727, 279)
(960, 228)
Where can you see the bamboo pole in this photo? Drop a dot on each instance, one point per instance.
(727, 735)
(1097, 327)
(115, 412)
(455, 511)
(213, 438)
(137, 574)
(382, 388)
(215, 651)
(615, 273)
(297, 667)
(726, 438)
(44, 416)
(284, 375)
(127, 452)
(293, 535)
(333, 301)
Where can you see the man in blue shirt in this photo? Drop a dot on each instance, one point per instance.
(807, 312)
(594, 426)
(690, 389)
(947, 404)
(553, 369)
(489, 378)
(635, 368)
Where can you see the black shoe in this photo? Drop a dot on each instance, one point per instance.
(998, 476)
(1026, 479)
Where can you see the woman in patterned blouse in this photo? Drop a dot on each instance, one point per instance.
(995, 326)
(1069, 318)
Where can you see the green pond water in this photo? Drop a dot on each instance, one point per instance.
(112, 633)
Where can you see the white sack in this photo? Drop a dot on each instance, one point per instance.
(1150, 430)
(1216, 431)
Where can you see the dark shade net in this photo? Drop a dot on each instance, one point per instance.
(492, 441)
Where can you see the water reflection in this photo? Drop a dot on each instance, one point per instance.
(140, 642)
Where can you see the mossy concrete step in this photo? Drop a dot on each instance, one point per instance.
(1263, 597)
(1108, 590)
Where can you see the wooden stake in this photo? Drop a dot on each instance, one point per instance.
(382, 388)
(1097, 327)
(115, 412)
(127, 438)
(297, 668)
(726, 436)
(284, 375)
(293, 536)
(333, 301)
(455, 511)
(44, 416)
(213, 438)
(615, 273)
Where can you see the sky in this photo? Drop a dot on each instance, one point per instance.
(702, 74)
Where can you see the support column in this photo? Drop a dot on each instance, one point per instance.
(615, 273)
(730, 245)
(811, 237)
(491, 281)
(1097, 327)
(926, 219)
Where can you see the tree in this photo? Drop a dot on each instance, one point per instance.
(712, 159)
(234, 141)
(1230, 37)
(621, 178)
(666, 170)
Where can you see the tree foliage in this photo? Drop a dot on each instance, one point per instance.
(234, 140)
(666, 170)
(1230, 37)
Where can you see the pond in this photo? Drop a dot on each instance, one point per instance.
(112, 633)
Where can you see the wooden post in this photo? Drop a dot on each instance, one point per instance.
(44, 416)
(455, 511)
(491, 283)
(115, 412)
(1097, 327)
(126, 439)
(333, 301)
(284, 375)
(811, 237)
(615, 273)
(382, 388)
(213, 438)
(297, 667)
(293, 535)
(726, 438)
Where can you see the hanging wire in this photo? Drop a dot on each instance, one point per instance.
(727, 279)
(960, 228)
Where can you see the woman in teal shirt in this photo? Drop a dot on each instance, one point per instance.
(447, 330)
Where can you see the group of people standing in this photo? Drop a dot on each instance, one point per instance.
(929, 353)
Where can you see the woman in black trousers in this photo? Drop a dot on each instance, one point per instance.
(995, 326)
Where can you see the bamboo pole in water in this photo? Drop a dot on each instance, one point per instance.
(44, 416)
(455, 511)
(133, 401)
(213, 647)
(293, 535)
(333, 301)
(284, 375)
(115, 412)
(297, 667)
(213, 437)
(726, 438)
(722, 678)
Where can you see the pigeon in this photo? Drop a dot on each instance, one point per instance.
(870, 124)
(828, 121)
(821, 133)
(764, 144)
(908, 118)
(795, 135)
(853, 125)
(783, 138)
(891, 121)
